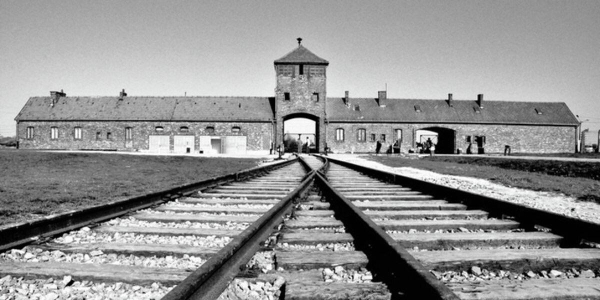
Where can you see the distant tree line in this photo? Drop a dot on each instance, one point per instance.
(9, 141)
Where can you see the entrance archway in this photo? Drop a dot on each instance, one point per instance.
(444, 138)
(301, 133)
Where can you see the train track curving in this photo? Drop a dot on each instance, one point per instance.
(311, 228)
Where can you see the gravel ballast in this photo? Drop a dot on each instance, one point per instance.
(133, 222)
(132, 238)
(66, 288)
(32, 254)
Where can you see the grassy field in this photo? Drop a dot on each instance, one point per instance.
(569, 155)
(36, 184)
(549, 167)
(578, 179)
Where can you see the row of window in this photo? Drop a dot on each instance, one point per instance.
(361, 135)
(295, 70)
(313, 97)
(78, 133)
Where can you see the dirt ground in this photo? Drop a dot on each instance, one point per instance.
(37, 184)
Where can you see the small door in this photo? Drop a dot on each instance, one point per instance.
(184, 144)
(159, 144)
(215, 145)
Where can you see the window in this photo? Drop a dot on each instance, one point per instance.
(301, 70)
(315, 97)
(286, 96)
(383, 137)
(538, 111)
(480, 140)
(98, 135)
(77, 133)
(210, 129)
(373, 137)
(29, 133)
(54, 133)
(286, 70)
(418, 108)
(361, 135)
(108, 135)
(128, 133)
(235, 129)
(339, 134)
(398, 135)
(184, 129)
(316, 71)
(159, 129)
(356, 107)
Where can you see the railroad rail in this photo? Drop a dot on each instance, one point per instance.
(458, 245)
(320, 229)
(157, 240)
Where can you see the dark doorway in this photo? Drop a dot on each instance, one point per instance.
(446, 140)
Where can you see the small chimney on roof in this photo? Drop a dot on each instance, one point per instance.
(299, 41)
(347, 97)
(54, 96)
(450, 100)
(480, 100)
(122, 94)
(382, 98)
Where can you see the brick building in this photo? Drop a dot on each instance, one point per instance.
(237, 125)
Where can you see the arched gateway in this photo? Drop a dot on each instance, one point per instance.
(300, 133)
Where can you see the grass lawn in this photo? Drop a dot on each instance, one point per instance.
(36, 184)
(570, 155)
(578, 179)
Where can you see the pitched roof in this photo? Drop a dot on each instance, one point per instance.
(149, 108)
(301, 55)
(260, 109)
(461, 111)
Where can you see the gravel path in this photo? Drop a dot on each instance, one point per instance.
(553, 202)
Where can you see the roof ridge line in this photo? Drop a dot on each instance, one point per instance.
(75, 96)
(464, 100)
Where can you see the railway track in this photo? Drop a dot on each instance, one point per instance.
(147, 252)
(345, 232)
(478, 253)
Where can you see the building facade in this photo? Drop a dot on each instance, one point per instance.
(240, 125)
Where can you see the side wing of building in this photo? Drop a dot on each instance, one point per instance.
(356, 124)
(232, 125)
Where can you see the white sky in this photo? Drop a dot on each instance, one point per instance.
(507, 50)
(299, 125)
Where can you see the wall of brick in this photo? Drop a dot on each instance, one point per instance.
(258, 134)
(301, 89)
(524, 139)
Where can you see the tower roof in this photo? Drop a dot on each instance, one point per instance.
(301, 55)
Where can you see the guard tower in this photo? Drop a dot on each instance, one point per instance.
(301, 91)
